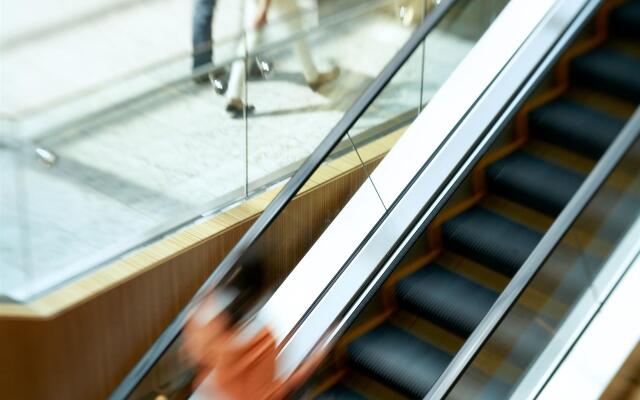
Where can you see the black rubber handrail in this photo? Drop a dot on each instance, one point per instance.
(293, 186)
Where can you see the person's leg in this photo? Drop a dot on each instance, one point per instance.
(309, 69)
(290, 10)
(202, 38)
(238, 78)
(295, 25)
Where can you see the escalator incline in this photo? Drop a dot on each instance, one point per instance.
(486, 240)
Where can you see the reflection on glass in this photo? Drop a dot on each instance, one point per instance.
(565, 278)
(290, 119)
(314, 82)
(281, 248)
(133, 151)
(413, 86)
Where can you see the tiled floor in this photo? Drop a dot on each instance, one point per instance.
(175, 153)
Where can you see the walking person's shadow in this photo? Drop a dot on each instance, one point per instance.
(340, 93)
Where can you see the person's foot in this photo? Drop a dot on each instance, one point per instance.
(323, 78)
(237, 107)
(261, 68)
(217, 78)
(200, 79)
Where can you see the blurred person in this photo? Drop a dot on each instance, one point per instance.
(254, 15)
(235, 359)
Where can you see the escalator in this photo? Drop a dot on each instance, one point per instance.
(405, 336)
(519, 188)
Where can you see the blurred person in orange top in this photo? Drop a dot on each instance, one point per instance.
(237, 360)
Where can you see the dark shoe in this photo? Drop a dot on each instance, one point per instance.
(261, 68)
(218, 78)
(200, 79)
(236, 108)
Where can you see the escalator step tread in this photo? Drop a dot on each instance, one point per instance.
(340, 392)
(445, 298)
(491, 239)
(398, 359)
(625, 19)
(534, 182)
(575, 127)
(608, 70)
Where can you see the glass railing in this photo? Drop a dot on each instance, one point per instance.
(112, 152)
(580, 270)
(132, 61)
(284, 236)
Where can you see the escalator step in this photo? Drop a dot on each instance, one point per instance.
(625, 20)
(445, 298)
(534, 182)
(575, 127)
(609, 71)
(340, 392)
(399, 359)
(491, 239)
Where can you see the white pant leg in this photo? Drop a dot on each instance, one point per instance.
(238, 77)
(301, 47)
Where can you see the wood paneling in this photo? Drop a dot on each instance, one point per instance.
(78, 342)
(626, 384)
